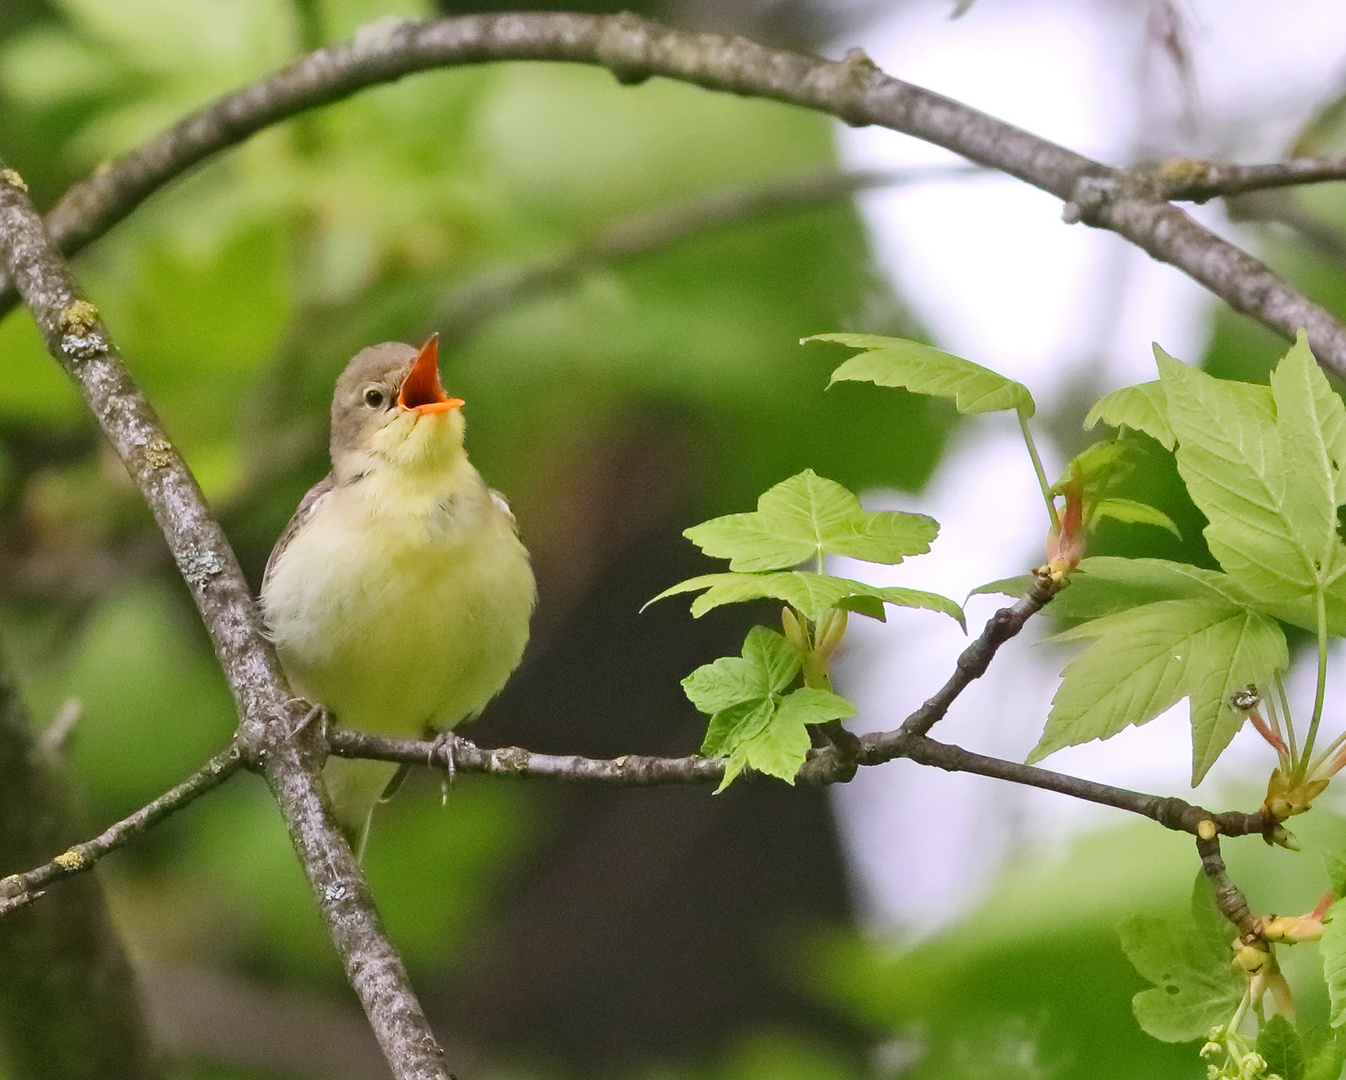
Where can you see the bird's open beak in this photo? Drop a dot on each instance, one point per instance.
(421, 390)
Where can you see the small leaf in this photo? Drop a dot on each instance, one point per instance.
(1141, 408)
(923, 369)
(1194, 987)
(735, 724)
(1147, 659)
(1281, 1048)
(769, 663)
(806, 517)
(813, 594)
(1137, 513)
(1271, 513)
(1096, 466)
(1332, 948)
(1325, 1053)
(1336, 873)
(1017, 587)
(780, 748)
(811, 705)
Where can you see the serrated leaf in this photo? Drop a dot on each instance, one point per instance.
(1146, 659)
(768, 663)
(780, 748)
(811, 705)
(1324, 1053)
(735, 724)
(806, 517)
(1250, 474)
(1281, 1048)
(1103, 585)
(1017, 587)
(813, 594)
(1332, 948)
(1336, 873)
(1306, 401)
(1135, 513)
(1141, 408)
(923, 369)
(1194, 987)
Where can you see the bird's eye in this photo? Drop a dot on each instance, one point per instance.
(373, 398)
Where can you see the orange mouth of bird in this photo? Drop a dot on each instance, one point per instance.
(422, 392)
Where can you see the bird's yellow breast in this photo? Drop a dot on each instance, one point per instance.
(403, 601)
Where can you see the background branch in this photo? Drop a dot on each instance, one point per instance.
(854, 90)
(69, 1002)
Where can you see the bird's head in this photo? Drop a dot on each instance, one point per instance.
(390, 407)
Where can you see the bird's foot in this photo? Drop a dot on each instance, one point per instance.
(444, 749)
(316, 713)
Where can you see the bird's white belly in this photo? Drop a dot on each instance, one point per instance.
(396, 623)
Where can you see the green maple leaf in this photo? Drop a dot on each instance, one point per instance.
(1264, 466)
(812, 593)
(1144, 660)
(1332, 948)
(1188, 960)
(923, 369)
(754, 723)
(1142, 408)
(1281, 1048)
(806, 517)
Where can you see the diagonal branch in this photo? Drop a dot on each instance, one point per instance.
(272, 734)
(854, 90)
(17, 890)
(474, 303)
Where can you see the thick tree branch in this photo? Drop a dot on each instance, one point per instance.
(272, 734)
(634, 49)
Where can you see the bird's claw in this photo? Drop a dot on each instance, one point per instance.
(315, 712)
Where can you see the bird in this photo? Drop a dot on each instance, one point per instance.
(399, 596)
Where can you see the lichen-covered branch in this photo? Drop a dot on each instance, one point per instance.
(271, 736)
(1200, 181)
(853, 89)
(20, 889)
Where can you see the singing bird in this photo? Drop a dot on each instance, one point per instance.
(399, 595)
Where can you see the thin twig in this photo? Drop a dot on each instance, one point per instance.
(474, 303)
(271, 733)
(1229, 899)
(1197, 181)
(634, 49)
(17, 890)
(973, 660)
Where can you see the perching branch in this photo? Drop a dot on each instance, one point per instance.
(853, 89)
(271, 735)
(824, 766)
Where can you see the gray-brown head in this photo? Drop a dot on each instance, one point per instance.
(389, 405)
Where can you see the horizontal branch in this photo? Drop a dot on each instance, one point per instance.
(1198, 181)
(824, 766)
(17, 890)
(853, 89)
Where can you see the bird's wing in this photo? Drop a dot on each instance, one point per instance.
(302, 513)
(502, 504)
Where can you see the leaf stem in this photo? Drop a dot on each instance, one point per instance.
(1320, 696)
(1289, 720)
(1037, 467)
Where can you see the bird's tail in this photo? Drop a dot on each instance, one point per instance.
(355, 786)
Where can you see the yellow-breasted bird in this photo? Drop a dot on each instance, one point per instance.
(399, 595)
